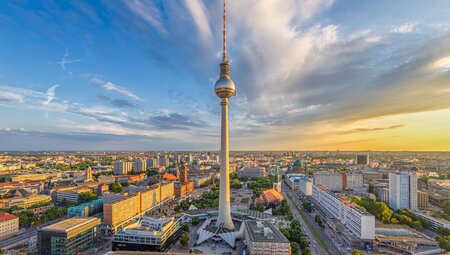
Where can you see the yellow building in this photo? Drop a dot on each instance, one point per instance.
(422, 200)
(167, 191)
(26, 202)
(9, 225)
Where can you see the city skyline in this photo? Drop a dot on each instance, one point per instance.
(312, 75)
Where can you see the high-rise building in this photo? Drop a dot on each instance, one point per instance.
(139, 166)
(224, 89)
(422, 200)
(403, 190)
(88, 174)
(362, 159)
(184, 178)
(188, 158)
(164, 161)
(71, 236)
(338, 181)
(152, 163)
(122, 167)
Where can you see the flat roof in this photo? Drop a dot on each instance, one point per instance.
(72, 224)
(264, 231)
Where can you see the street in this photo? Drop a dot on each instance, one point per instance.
(319, 242)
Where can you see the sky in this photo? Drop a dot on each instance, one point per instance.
(309, 75)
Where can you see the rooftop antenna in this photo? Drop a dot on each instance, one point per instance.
(224, 30)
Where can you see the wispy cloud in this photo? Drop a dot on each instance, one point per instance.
(198, 12)
(106, 85)
(148, 12)
(65, 60)
(407, 27)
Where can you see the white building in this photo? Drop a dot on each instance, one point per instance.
(435, 222)
(306, 186)
(403, 190)
(263, 238)
(356, 220)
(152, 163)
(122, 167)
(139, 166)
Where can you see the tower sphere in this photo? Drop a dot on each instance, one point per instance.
(224, 87)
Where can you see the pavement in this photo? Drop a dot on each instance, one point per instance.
(25, 235)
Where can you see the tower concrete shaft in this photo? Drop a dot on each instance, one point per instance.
(224, 219)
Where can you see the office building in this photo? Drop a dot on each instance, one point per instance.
(9, 225)
(357, 221)
(264, 238)
(148, 234)
(293, 180)
(403, 190)
(337, 181)
(71, 236)
(70, 195)
(86, 209)
(305, 185)
(422, 200)
(362, 159)
(251, 172)
(139, 166)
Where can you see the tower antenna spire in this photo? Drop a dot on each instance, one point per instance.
(224, 29)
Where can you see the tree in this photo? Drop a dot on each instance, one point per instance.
(184, 240)
(116, 187)
(447, 207)
(285, 232)
(186, 228)
(87, 196)
(444, 242)
(443, 231)
(355, 252)
(195, 221)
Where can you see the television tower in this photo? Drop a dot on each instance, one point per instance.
(224, 89)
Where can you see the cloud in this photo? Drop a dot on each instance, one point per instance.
(147, 12)
(116, 88)
(198, 12)
(175, 121)
(122, 103)
(407, 27)
(50, 94)
(361, 130)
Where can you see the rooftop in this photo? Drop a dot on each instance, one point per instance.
(264, 231)
(4, 216)
(70, 224)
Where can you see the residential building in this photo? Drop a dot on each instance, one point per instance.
(26, 202)
(251, 172)
(122, 167)
(337, 181)
(184, 174)
(71, 236)
(264, 238)
(70, 195)
(383, 195)
(148, 234)
(183, 189)
(362, 159)
(403, 190)
(164, 161)
(357, 221)
(435, 222)
(9, 225)
(422, 200)
(139, 166)
(152, 163)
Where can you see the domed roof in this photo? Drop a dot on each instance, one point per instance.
(297, 163)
